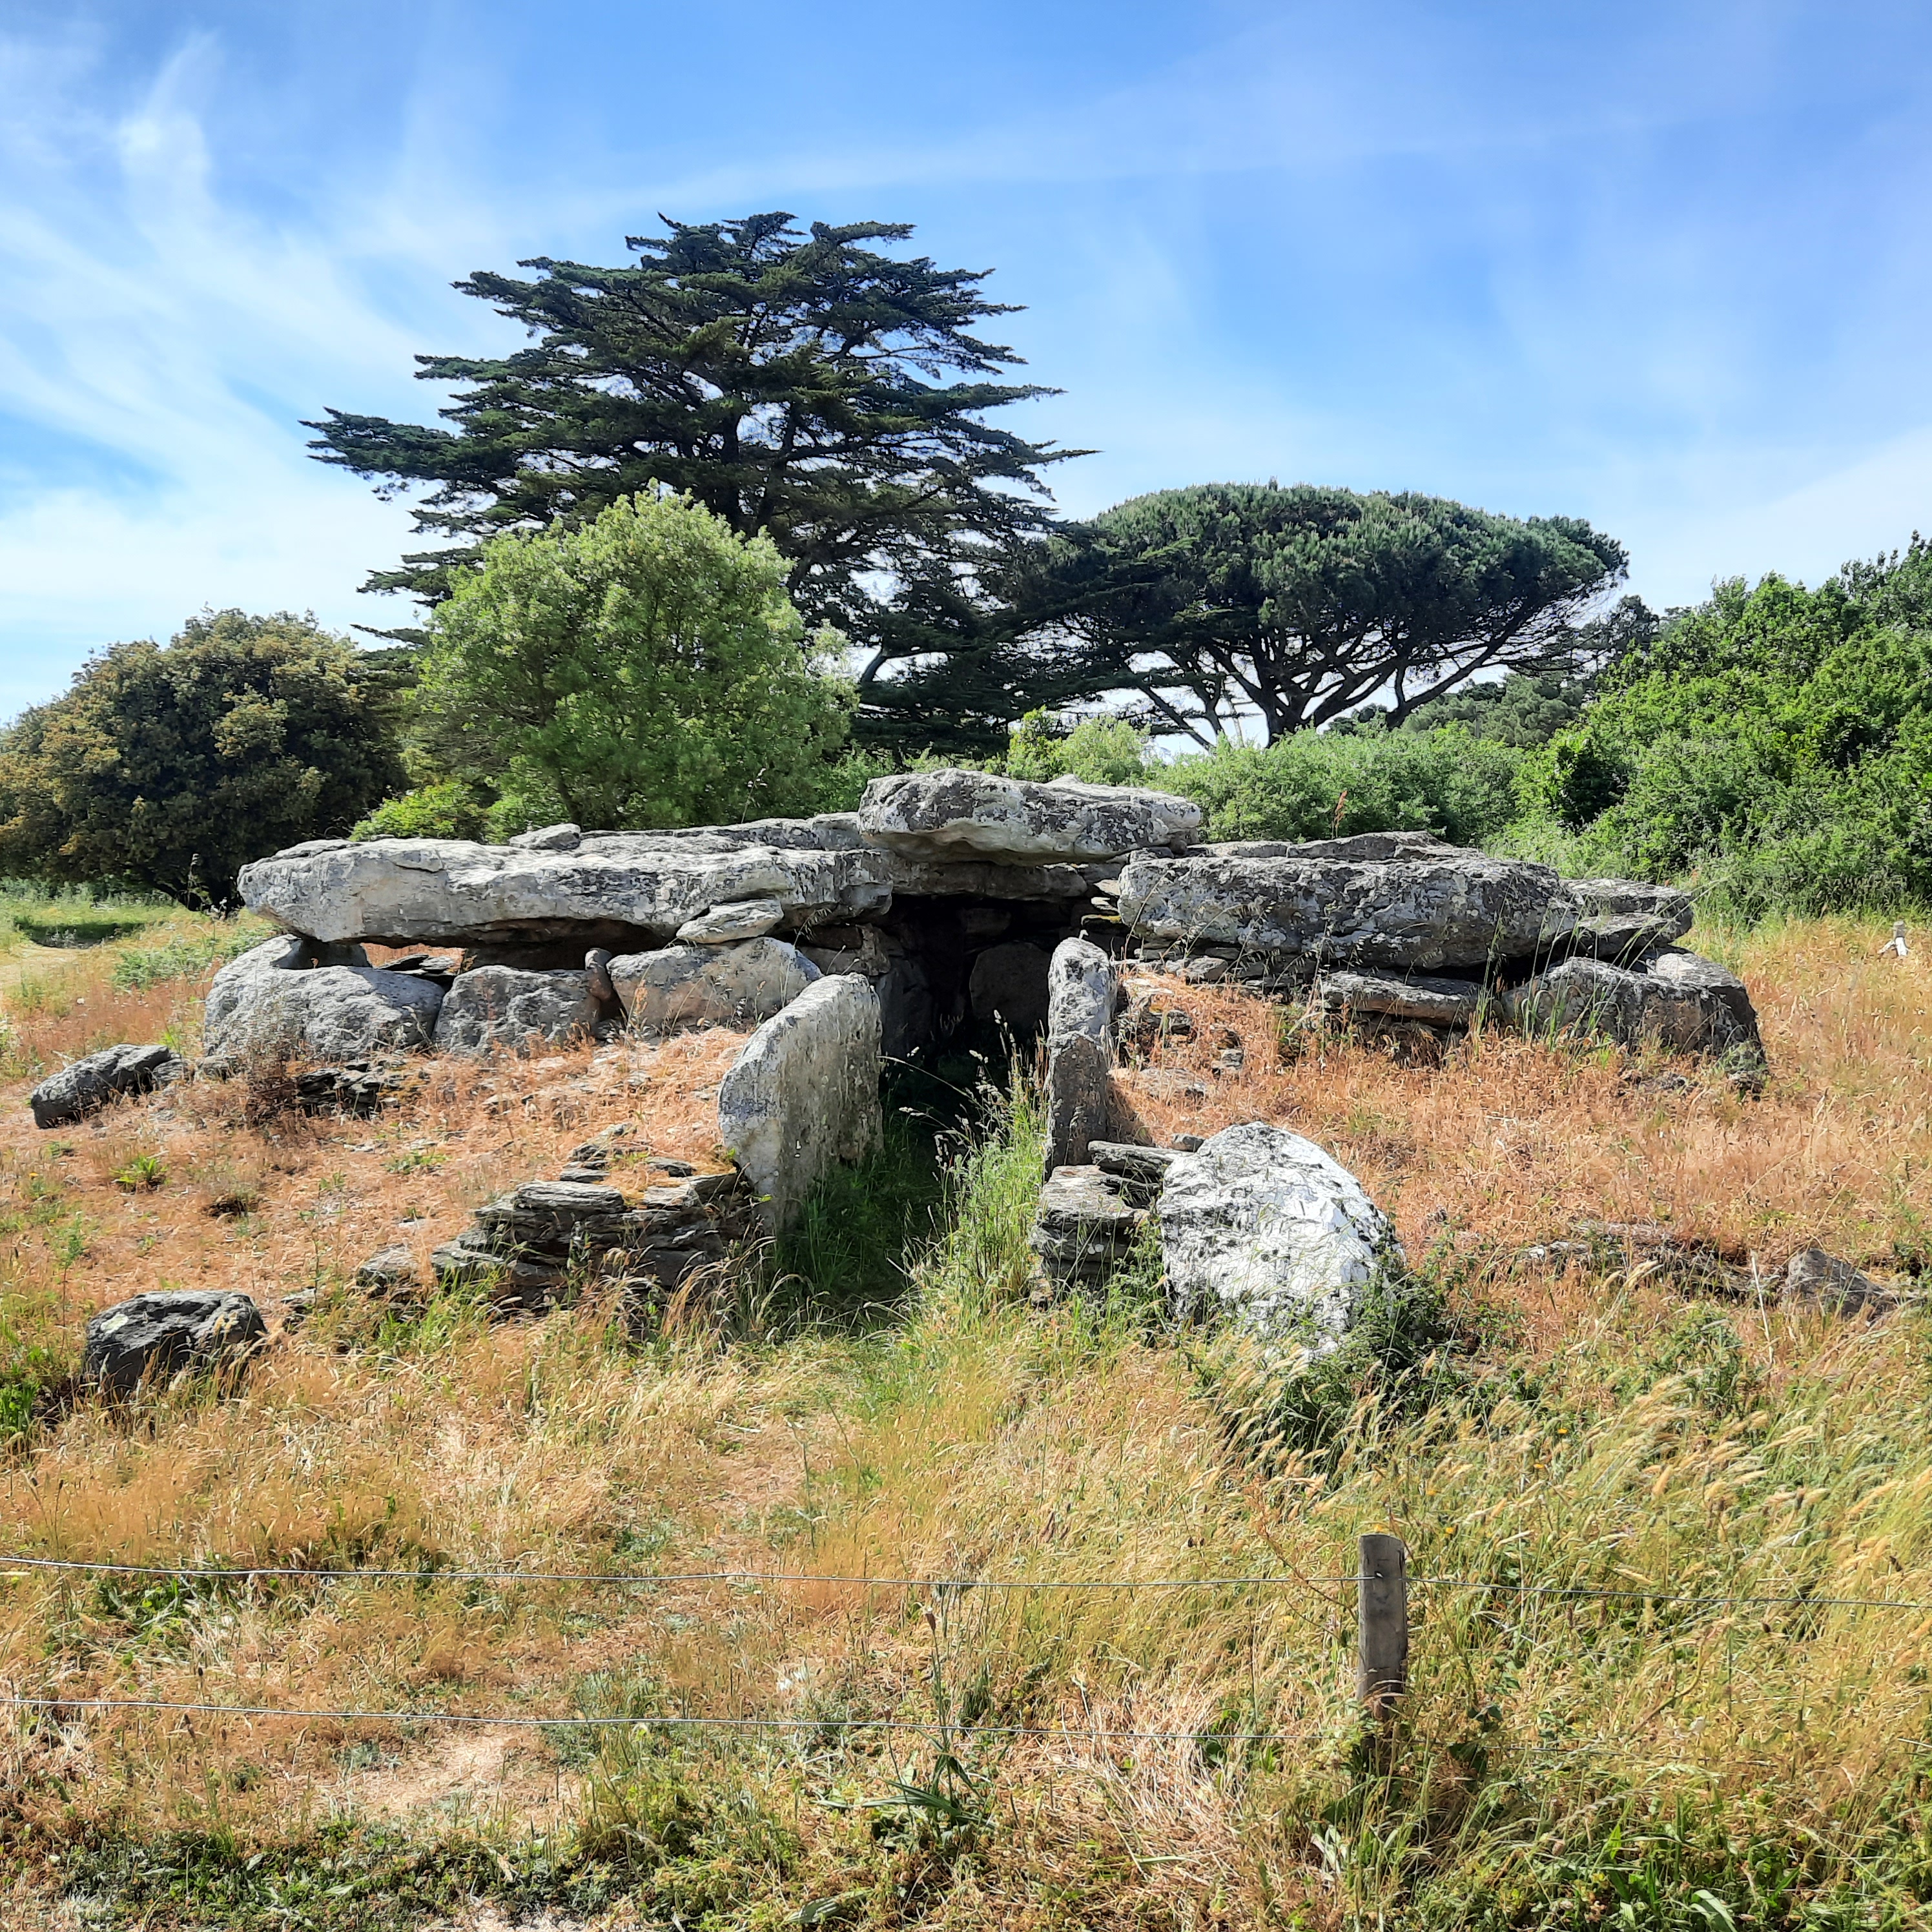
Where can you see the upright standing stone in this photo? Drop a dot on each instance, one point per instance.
(679, 986)
(1081, 984)
(805, 1093)
(498, 1006)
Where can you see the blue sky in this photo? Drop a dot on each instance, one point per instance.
(1666, 266)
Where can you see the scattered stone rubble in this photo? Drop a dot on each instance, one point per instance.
(528, 1248)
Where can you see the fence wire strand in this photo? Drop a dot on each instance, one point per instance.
(658, 1579)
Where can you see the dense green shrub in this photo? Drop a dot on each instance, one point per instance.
(1775, 741)
(445, 808)
(1100, 751)
(646, 669)
(1324, 785)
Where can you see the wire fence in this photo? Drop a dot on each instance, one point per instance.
(647, 1578)
(20, 1564)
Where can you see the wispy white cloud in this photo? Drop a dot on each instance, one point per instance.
(1658, 265)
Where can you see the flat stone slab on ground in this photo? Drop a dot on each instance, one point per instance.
(1084, 1228)
(1438, 1002)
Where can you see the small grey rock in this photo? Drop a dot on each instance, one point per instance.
(89, 1084)
(566, 838)
(743, 918)
(1817, 1279)
(153, 1337)
(387, 1272)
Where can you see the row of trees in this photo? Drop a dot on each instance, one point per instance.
(806, 387)
(1776, 742)
(733, 535)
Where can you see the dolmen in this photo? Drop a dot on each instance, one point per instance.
(947, 896)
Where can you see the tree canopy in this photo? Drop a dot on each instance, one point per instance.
(645, 669)
(1296, 605)
(800, 385)
(172, 766)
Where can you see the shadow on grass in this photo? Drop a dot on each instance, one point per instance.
(847, 1264)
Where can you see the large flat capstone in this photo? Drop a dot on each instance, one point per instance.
(1265, 1227)
(1452, 909)
(805, 1093)
(615, 887)
(957, 814)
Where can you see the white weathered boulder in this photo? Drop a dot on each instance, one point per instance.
(153, 1337)
(87, 1086)
(745, 919)
(805, 1093)
(272, 1001)
(1676, 1000)
(1264, 1228)
(498, 1007)
(955, 814)
(612, 887)
(680, 986)
(1451, 1003)
(1081, 984)
(1449, 909)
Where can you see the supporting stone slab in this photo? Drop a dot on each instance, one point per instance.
(805, 1093)
(1082, 986)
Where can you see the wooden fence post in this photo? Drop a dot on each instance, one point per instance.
(1381, 1616)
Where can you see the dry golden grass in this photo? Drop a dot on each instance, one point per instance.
(1615, 1434)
